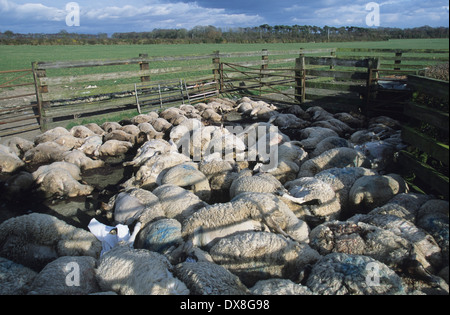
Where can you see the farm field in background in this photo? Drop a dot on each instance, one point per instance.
(20, 57)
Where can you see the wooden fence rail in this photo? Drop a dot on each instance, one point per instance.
(422, 117)
(72, 89)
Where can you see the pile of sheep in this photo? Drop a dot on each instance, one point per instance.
(332, 217)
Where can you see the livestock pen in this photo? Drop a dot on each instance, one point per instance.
(369, 81)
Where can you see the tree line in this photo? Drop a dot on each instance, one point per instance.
(211, 34)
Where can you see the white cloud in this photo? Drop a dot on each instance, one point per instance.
(31, 11)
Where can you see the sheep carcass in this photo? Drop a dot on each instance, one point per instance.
(36, 239)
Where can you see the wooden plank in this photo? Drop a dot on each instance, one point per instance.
(87, 63)
(437, 150)
(388, 50)
(86, 108)
(432, 116)
(430, 86)
(70, 93)
(332, 61)
(94, 77)
(425, 173)
(337, 86)
(343, 75)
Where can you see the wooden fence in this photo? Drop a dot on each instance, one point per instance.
(68, 90)
(18, 108)
(427, 158)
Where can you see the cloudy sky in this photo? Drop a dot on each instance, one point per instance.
(109, 16)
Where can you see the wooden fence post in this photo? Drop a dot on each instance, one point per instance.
(41, 88)
(372, 84)
(265, 62)
(333, 55)
(143, 65)
(300, 79)
(398, 59)
(218, 70)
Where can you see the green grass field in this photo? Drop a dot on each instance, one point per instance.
(20, 57)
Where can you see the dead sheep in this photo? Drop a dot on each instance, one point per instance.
(342, 180)
(219, 173)
(433, 218)
(404, 205)
(133, 205)
(151, 173)
(16, 278)
(284, 121)
(328, 144)
(190, 111)
(17, 184)
(36, 239)
(19, 145)
(110, 126)
(113, 148)
(206, 278)
(55, 278)
(58, 182)
(61, 179)
(205, 234)
(363, 136)
(344, 274)
(96, 129)
(91, 145)
(74, 170)
(311, 136)
(82, 132)
(161, 236)
(177, 202)
(341, 128)
(318, 113)
(256, 256)
(129, 271)
(365, 239)
(290, 157)
(144, 118)
(150, 149)
(316, 199)
(51, 135)
(120, 135)
(299, 112)
(355, 121)
(211, 115)
(338, 157)
(172, 114)
(82, 161)
(260, 207)
(229, 147)
(45, 153)
(260, 183)
(263, 111)
(9, 162)
(279, 287)
(161, 125)
(425, 245)
(222, 105)
(369, 192)
(188, 176)
(149, 131)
